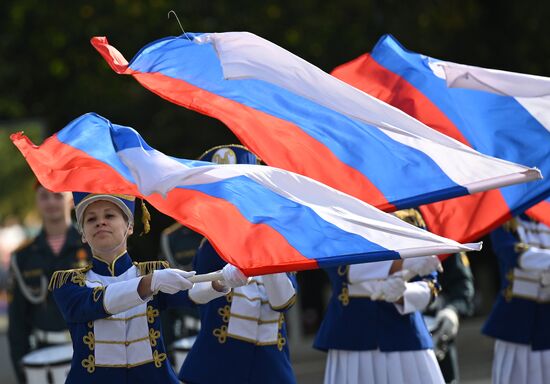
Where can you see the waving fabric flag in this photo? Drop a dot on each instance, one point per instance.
(299, 118)
(259, 218)
(541, 212)
(498, 113)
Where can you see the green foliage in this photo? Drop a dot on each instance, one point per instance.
(50, 71)
(16, 178)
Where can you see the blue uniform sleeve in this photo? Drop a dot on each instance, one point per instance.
(503, 245)
(80, 304)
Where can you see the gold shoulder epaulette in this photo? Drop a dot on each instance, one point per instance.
(411, 216)
(148, 267)
(77, 276)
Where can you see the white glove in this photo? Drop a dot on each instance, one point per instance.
(233, 277)
(447, 324)
(393, 288)
(422, 266)
(390, 289)
(171, 280)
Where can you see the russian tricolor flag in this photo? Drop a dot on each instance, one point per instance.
(261, 219)
(498, 113)
(299, 118)
(541, 212)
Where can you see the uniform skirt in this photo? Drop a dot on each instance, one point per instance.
(518, 363)
(355, 367)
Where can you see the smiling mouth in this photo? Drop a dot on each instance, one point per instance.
(101, 232)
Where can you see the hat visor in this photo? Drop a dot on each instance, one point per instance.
(81, 207)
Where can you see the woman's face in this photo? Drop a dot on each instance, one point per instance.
(105, 228)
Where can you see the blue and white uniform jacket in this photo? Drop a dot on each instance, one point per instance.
(243, 336)
(353, 322)
(521, 313)
(116, 335)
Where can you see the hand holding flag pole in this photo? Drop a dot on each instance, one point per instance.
(212, 276)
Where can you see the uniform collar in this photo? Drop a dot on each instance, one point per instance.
(120, 264)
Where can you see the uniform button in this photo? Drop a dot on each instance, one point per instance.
(126, 343)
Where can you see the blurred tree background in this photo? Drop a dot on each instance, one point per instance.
(50, 73)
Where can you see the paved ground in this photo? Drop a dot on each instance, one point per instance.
(475, 357)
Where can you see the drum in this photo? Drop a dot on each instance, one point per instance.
(48, 365)
(181, 348)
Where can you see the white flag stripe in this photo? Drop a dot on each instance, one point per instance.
(532, 92)
(244, 55)
(149, 169)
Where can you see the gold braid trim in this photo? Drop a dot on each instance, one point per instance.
(60, 278)
(158, 358)
(229, 296)
(221, 334)
(343, 270)
(145, 218)
(411, 216)
(151, 314)
(89, 340)
(344, 295)
(97, 292)
(148, 267)
(521, 247)
(153, 336)
(281, 341)
(286, 305)
(89, 364)
(511, 225)
(225, 313)
(281, 321)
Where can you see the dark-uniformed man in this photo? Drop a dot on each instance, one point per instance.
(455, 300)
(34, 319)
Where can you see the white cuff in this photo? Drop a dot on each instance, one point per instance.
(369, 271)
(535, 258)
(202, 293)
(416, 298)
(121, 296)
(279, 289)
